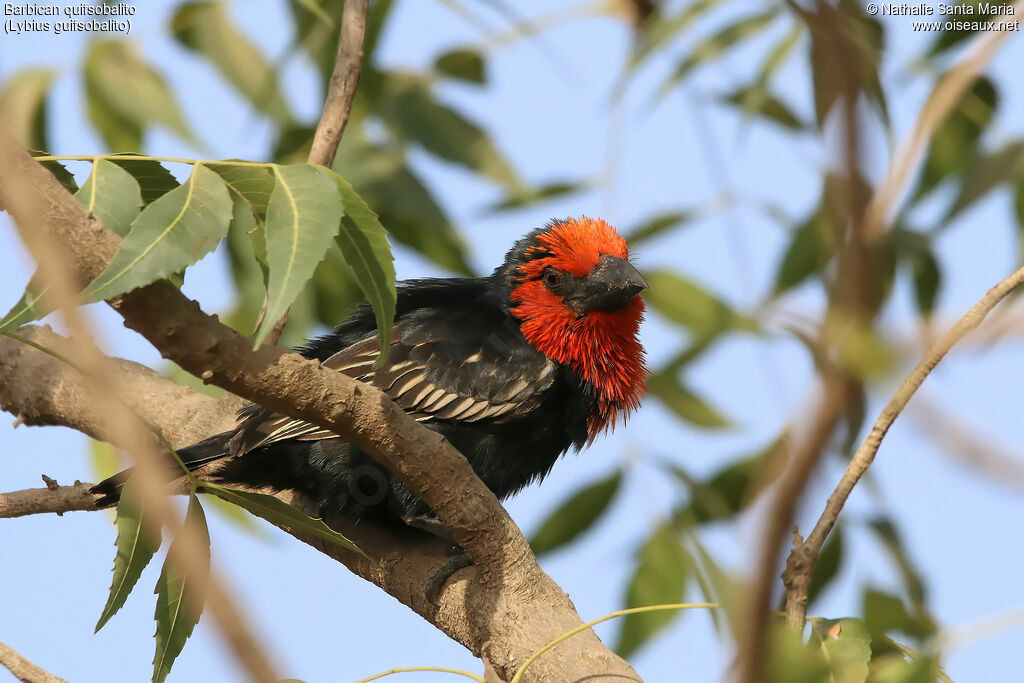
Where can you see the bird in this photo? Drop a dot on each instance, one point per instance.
(515, 369)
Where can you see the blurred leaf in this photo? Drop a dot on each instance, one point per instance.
(576, 514)
(278, 512)
(714, 45)
(251, 184)
(136, 546)
(862, 351)
(364, 243)
(895, 668)
(953, 145)
(521, 198)
(683, 402)
(206, 28)
(914, 250)
(656, 225)
(846, 648)
(154, 180)
(118, 132)
(465, 65)
(757, 100)
(179, 375)
(294, 143)
(790, 660)
(173, 232)
(404, 205)
(31, 306)
(884, 612)
(723, 494)
(105, 459)
(113, 195)
(811, 247)
(303, 217)
(335, 288)
(131, 90)
(715, 585)
(777, 57)
(408, 107)
(958, 31)
(854, 415)
(179, 602)
(657, 33)
(830, 560)
(985, 173)
(248, 273)
(660, 578)
(686, 303)
(891, 541)
(845, 41)
(23, 106)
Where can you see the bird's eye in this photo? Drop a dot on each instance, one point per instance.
(552, 277)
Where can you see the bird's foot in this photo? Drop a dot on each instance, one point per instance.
(436, 583)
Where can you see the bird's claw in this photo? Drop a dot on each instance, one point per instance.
(436, 583)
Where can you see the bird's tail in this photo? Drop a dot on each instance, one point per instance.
(193, 457)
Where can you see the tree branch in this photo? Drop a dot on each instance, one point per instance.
(508, 609)
(802, 559)
(57, 499)
(24, 670)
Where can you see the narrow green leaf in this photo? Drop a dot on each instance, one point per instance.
(335, 288)
(577, 514)
(714, 45)
(170, 234)
(118, 132)
(62, 174)
(985, 173)
(23, 106)
(885, 612)
(179, 602)
(410, 109)
(660, 578)
(656, 225)
(686, 303)
(152, 177)
(722, 495)
(207, 28)
(252, 184)
(303, 218)
(113, 195)
(276, 511)
(136, 545)
(364, 243)
(829, 563)
(683, 402)
(132, 89)
(656, 34)
(756, 100)
(959, 31)
(465, 65)
(28, 308)
(890, 538)
(811, 247)
(520, 198)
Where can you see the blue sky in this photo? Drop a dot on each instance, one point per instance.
(547, 103)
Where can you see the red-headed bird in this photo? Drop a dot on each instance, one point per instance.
(514, 369)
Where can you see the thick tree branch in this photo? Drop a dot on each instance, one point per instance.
(24, 670)
(513, 607)
(57, 499)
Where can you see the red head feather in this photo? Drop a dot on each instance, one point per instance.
(601, 345)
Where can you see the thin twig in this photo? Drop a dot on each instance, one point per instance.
(24, 670)
(803, 558)
(342, 86)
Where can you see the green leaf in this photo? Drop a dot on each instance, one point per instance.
(656, 225)
(62, 174)
(577, 514)
(655, 34)
(829, 562)
(118, 132)
(206, 28)
(403, 203)
(713, 46)
(105, 459)
(660, 578)
(136, 545)
(179, 602)
(252, 184)
(757, 100)
(683, 402)
(520, 198)
(846, 649)
(723, 494)
(29, 307)
(959, 31)
(131, 89)
(335, 288)
(113, 195)
(914, 249)
(465, 65)
(410, 110)
(888, 535)
(170, 234)
(884, 612)
(985, 173)
(23, 106)
(303, 217)
(811, 247)
(954, 143)
(686, 303)
(364, 243)
(152, 177)
(278, 512)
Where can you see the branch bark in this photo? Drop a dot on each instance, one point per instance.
(507, 609)
(24, 670)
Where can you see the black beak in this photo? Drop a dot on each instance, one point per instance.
(611, 285)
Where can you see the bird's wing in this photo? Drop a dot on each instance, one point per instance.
(448, 369)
